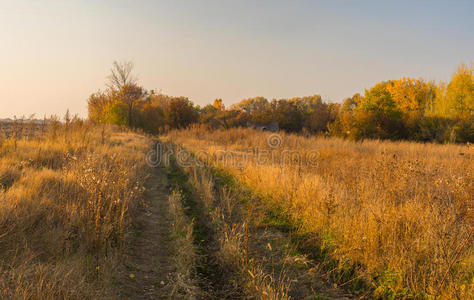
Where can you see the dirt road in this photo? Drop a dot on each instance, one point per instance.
(148, 261)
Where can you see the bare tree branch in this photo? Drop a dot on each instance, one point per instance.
(121, 75)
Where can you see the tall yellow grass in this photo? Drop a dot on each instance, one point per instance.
(232, 235)
(66, 197)
(401, 212)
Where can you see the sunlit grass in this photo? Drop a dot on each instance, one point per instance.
(66, 197)
(399, 211)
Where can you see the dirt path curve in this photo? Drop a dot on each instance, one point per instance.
(148, 262)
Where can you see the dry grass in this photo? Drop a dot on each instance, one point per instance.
(66, 201)
(184, 279)
(230, 230)
(400, 212)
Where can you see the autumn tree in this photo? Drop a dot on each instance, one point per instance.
(253, 105)
(180, 113)
(123, 84)
(98, 105)
(121, 75)
(377, 115)
(411, 95)
(460, 92)
(319, 118)
(282, 111)
(132, 97)
(351, 103)
(150, 117)
(307, 104)
(121, 103)
(438, 106)
(218, 104)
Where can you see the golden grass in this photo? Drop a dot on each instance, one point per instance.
(184, 279)
(66, 200)
(232, 235)
(401, 212)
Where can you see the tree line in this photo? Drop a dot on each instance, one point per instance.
(407, 108)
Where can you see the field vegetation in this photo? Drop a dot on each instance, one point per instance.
(67, 197)
(396, 217)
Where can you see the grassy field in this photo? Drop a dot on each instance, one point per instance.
(67, 197)
(236, 214)
(396, 216)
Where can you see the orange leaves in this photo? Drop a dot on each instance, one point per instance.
(410, 94)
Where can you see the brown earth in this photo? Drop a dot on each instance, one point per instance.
(148, 261)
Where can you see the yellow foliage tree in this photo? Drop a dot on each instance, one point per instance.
(218, 104)
(411, 95)
(460, 91)
(455, 99)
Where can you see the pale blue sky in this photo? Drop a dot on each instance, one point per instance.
(54, 54)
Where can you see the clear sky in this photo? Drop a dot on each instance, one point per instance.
(54, 54)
